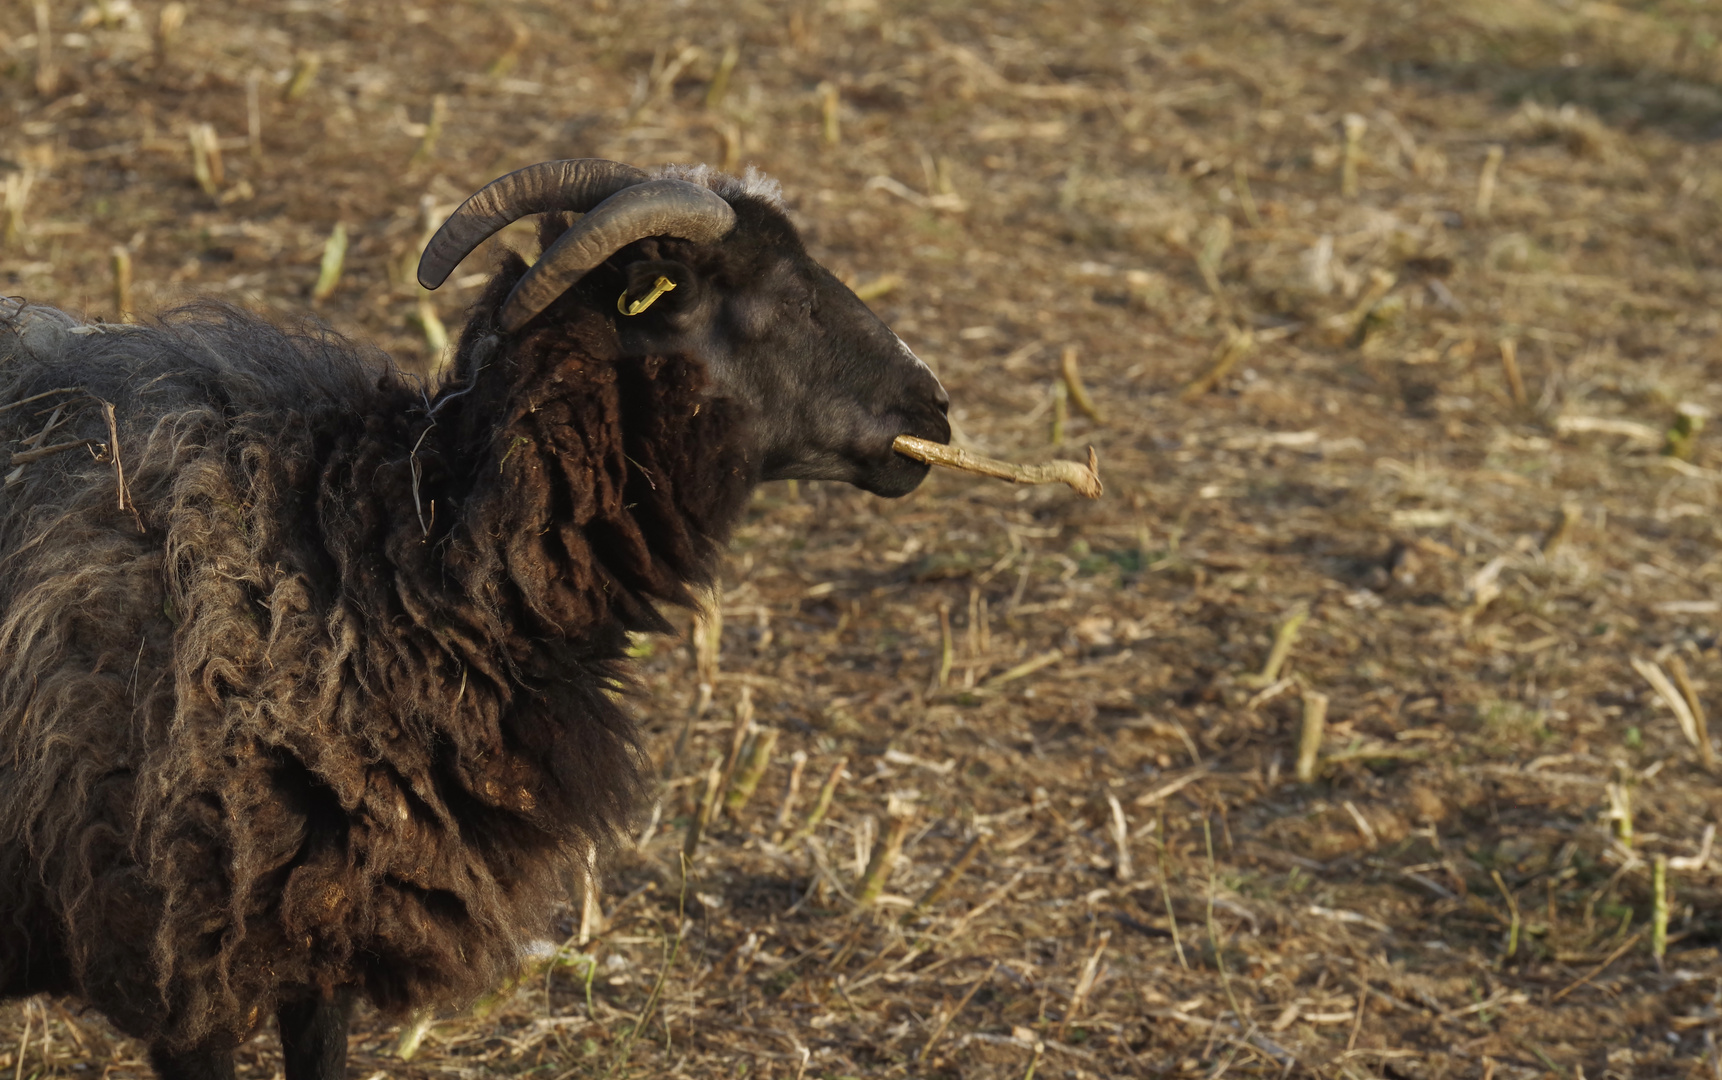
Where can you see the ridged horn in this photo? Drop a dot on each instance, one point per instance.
(576, 184)
(655, 208)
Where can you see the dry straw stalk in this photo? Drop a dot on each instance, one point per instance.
(883, 859)
(703, 816)
(952, 873)
(304, 74)
(1620, 811)
(334, 257)
(122, 265)
(822, 803)
(436, 334)
(168, 25)
(1486, 180)
(719, 85)
(1681, 704)
(1284, 638)
(1085, 981)
(47, 82)
(708, 640)
(16, 193)
(1510, 368)
(879, 286)
(1700, 724)
(947, 647)
(1309, 742)
(830, 102)
(206, 165)
(413, 1033)
(1513, 924)
(254, 114)
(1355, 126)
(1072, 375)
(755, 759)
(797, 763)
(742, 728)
(1120, 827)
(1238, 345)
(1659, 907)
(1084, 480)
(433, 131)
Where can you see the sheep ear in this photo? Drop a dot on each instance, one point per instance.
(658, 285)
(662, 207)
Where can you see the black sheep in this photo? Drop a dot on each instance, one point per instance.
(307, 674)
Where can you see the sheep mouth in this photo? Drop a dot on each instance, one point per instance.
(895, 477)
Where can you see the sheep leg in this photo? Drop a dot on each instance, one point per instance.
(314, 1036)
(196, 1065)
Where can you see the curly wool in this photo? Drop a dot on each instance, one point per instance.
(335, 703)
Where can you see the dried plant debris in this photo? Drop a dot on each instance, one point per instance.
(1085, 481)
(1395, 325)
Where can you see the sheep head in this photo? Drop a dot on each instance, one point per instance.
(828, 384)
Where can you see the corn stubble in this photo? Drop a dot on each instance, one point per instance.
(1401, 386)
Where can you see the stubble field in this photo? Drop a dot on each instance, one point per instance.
(1399, 324)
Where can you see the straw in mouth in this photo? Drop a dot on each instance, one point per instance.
(1084, 479)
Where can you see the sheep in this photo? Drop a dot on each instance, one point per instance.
(309, 672)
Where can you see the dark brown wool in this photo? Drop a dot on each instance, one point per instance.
(334, 705)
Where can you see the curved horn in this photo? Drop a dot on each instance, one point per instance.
(575, 184)
(655, 208)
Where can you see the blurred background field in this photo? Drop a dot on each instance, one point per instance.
(1397, 324)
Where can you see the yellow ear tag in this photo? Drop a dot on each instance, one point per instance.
(659, 288)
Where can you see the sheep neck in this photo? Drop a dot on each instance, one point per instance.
(586, 485)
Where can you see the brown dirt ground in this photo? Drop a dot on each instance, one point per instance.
(1147, 183)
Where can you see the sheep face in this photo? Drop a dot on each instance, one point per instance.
(828, 384)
